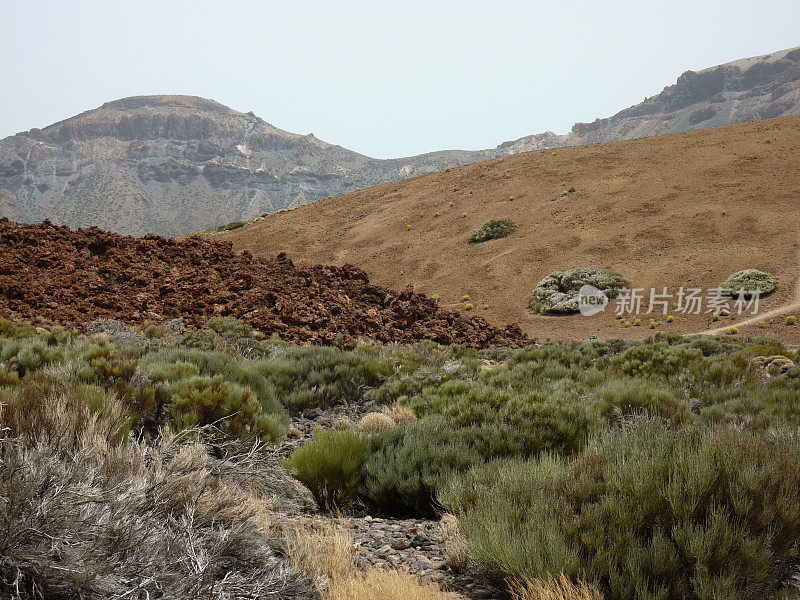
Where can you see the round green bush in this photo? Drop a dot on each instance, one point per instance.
(493, 229)
(748, 281)
(330, 466)
(557, 294)
(199, 401)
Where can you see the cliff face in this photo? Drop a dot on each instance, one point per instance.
(176, 164)
(165, 164)
(750, 89)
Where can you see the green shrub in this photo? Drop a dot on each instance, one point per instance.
(405, 466)
(29, 353)
(155, 332)
(537, 420)
(493, 229)
(199, 339)
(558, 292)
(624, 397)
(174, 364)
(105, 364)
(645, 512)
(231, 225)
(234, 409)
(330, 466)
(393, 389)
(748, 281)
(229, 327)
(13, 329)
(321, 376)
(217, 383)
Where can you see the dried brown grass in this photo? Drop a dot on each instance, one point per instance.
(326, 551)
(321, 548)
(556, 588)
(378, 584)
(400, 413)
(375, 422)
(87, 513)
(456, 546)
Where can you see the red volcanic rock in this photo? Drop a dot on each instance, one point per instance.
(71, 278)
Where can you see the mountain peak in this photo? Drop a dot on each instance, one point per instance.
(133, 103)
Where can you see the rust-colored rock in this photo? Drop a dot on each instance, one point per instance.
(71, 278)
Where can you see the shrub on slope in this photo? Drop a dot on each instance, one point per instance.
(748, 281)
(557, 294)
(493, 229)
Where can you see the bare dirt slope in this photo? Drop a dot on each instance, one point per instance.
(686, 209)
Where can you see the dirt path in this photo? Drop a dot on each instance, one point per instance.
(793, 305)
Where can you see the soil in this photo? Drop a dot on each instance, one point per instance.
(681, 210)
(52, 275)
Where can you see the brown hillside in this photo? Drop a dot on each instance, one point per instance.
(685, 209)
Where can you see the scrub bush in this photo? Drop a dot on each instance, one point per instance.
(748, 281)
(330, 466)
(493, 229)
(645, 512)
(557, 294)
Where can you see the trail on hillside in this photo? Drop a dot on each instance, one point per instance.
(793, 305)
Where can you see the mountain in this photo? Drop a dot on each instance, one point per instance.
(762, 87)
(680, 210)
(175, 164)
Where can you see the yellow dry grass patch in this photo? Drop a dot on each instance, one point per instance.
(383, 585)
(327, 552)
(557, 588)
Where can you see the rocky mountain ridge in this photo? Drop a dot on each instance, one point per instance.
(175, 164)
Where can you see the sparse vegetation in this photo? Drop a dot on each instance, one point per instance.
(557, 294)
(493, 229)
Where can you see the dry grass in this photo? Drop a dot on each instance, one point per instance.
(326, 551)
(400, 413)
(383, 585)
(320, 547)
(558, 588)
(86, 513)
(633, 197)
(456, 547)
(374, 422)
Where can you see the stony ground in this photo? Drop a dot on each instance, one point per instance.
(53, 275)
(417, 545)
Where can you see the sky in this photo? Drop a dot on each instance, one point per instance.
(386, 79)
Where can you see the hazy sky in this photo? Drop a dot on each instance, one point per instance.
(383, 78)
